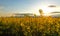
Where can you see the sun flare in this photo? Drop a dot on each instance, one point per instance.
(45, 9)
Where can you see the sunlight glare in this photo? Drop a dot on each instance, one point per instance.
(45, 9)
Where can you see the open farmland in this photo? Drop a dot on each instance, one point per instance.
(28, 26)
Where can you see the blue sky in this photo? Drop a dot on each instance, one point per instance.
(12, 6)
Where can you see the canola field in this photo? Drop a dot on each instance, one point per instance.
(28, 26)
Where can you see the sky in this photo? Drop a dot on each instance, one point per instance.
(8, 7)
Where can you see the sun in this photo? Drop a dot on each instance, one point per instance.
(46, 10)
(44, 7)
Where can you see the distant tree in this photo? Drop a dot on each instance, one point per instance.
(35, 15)
(41, 12)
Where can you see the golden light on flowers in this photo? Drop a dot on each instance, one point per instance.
(29, 25)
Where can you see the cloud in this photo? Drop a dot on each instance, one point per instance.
(1, 7)
(1, 10)
(52, 6)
